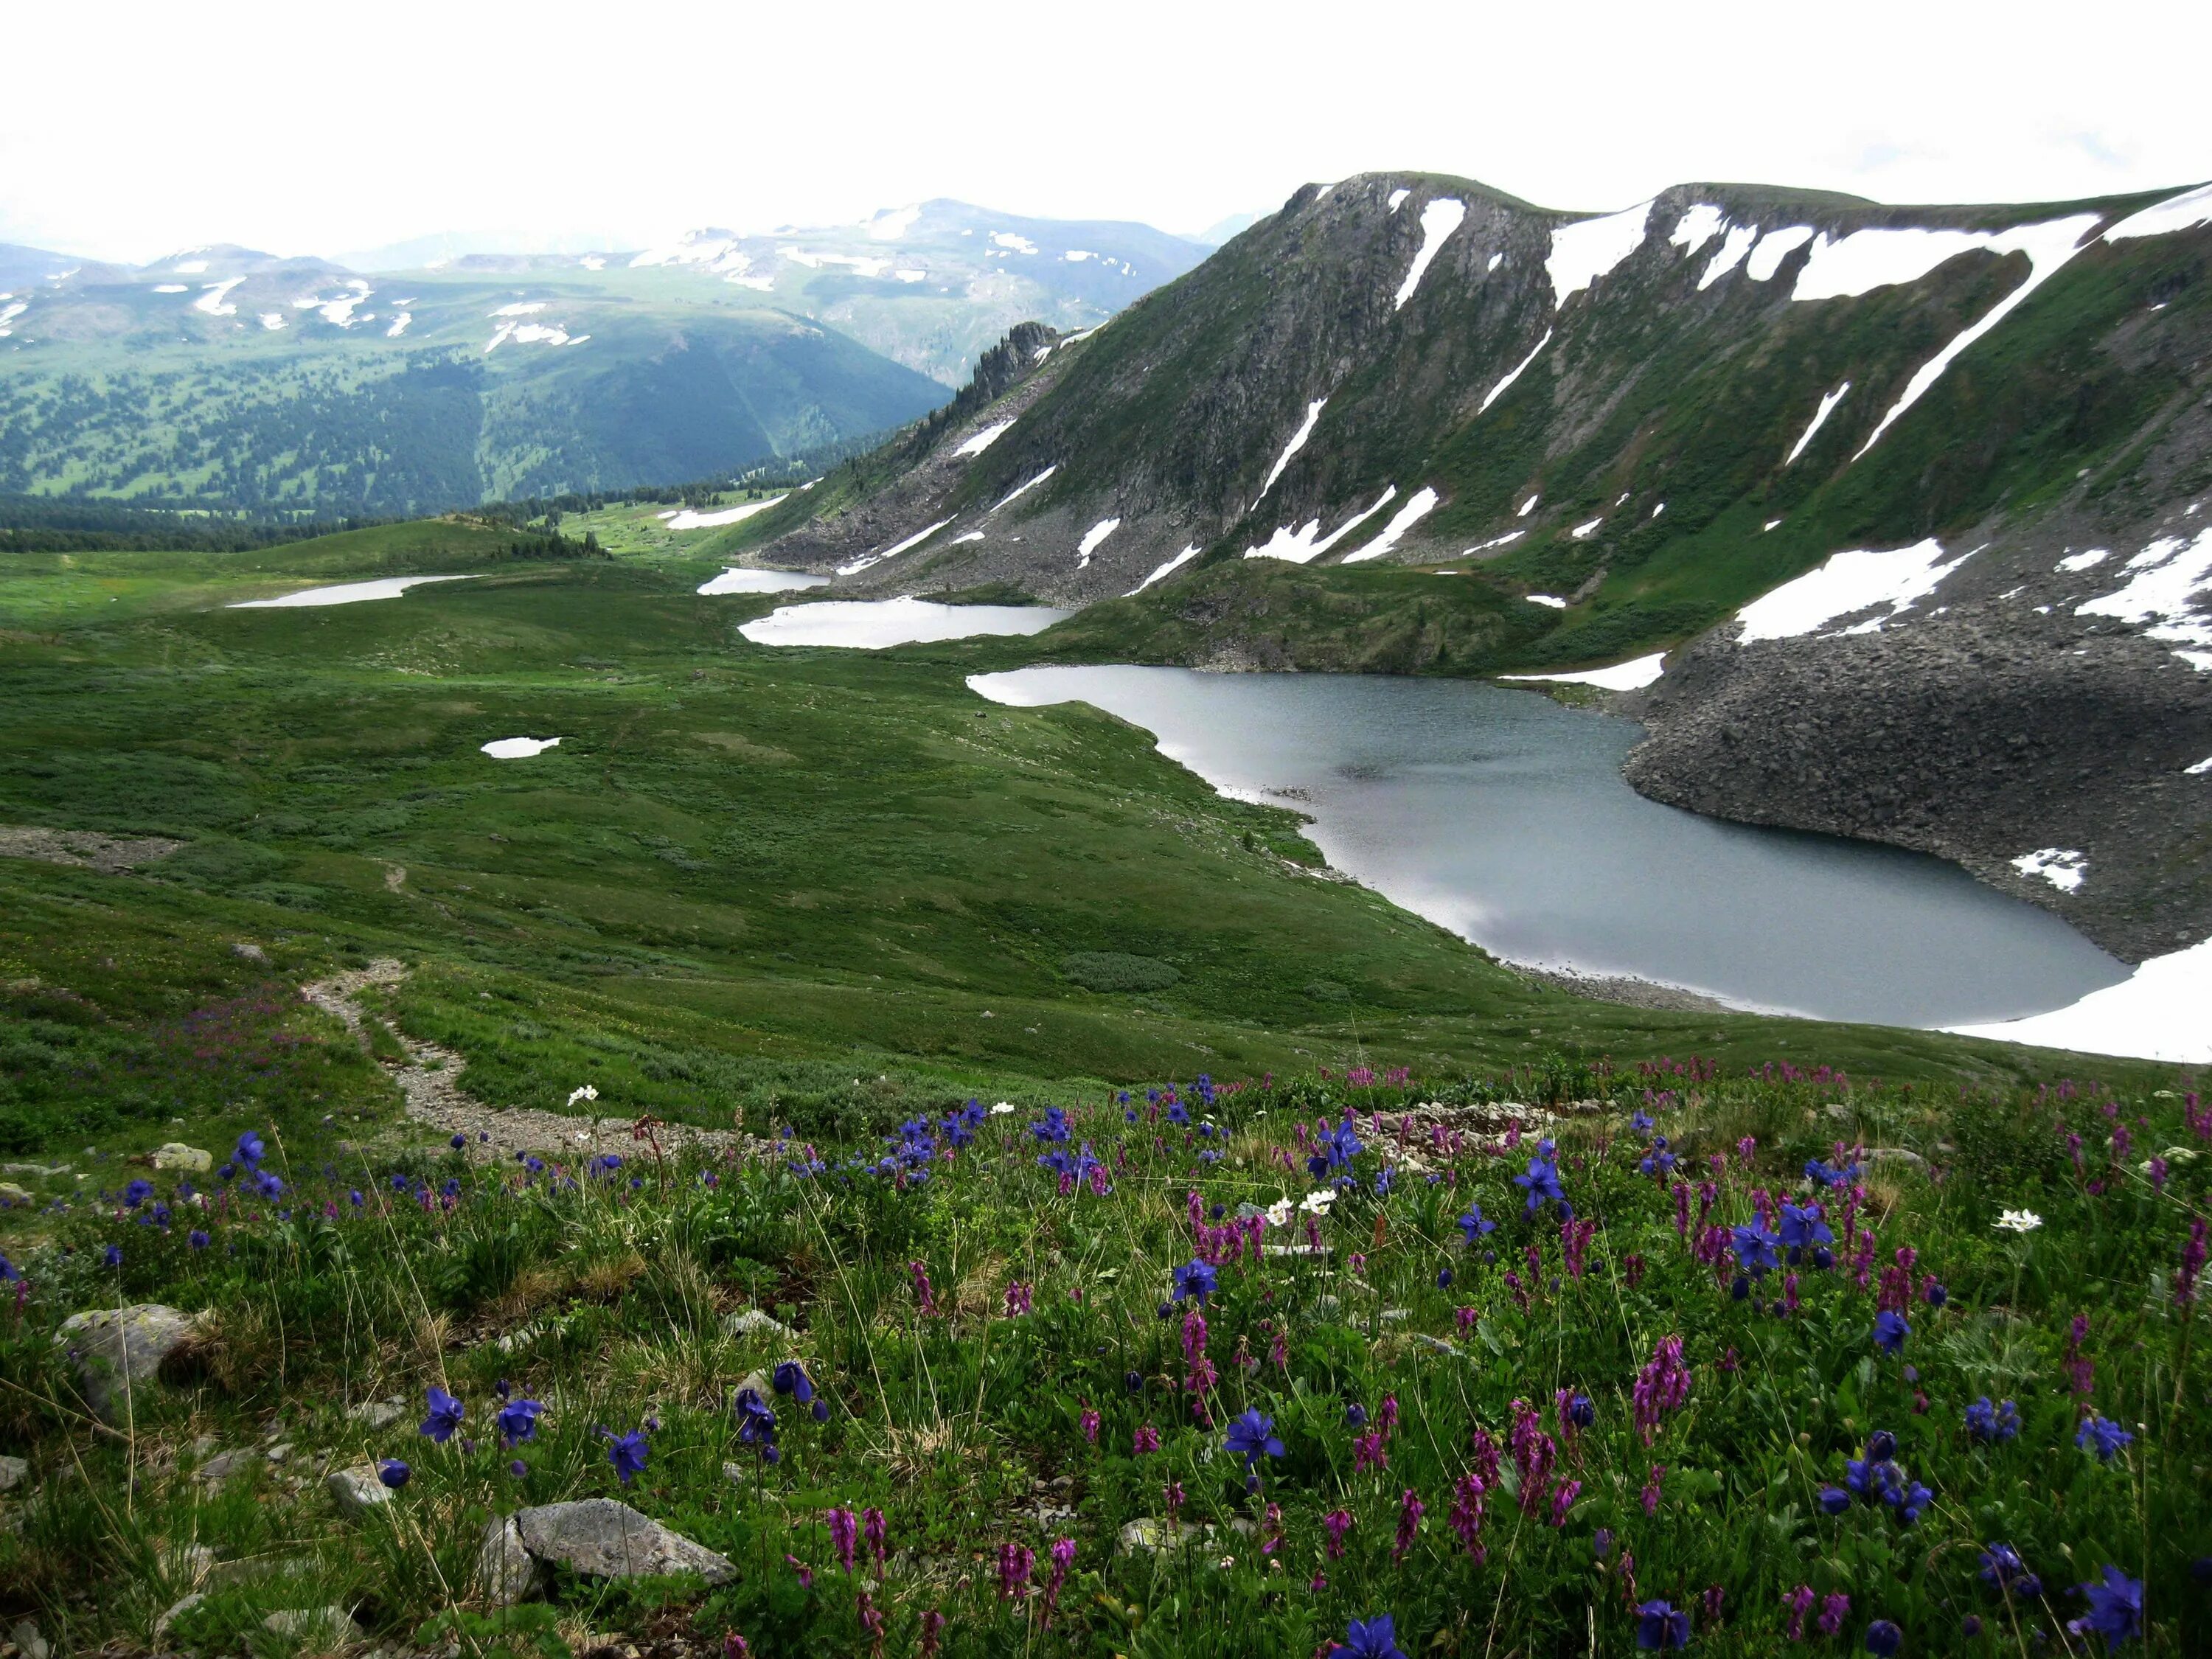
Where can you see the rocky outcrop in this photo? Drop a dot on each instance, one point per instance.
(116, 1349)
(603, 1539)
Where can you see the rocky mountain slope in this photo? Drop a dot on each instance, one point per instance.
(1913, 496)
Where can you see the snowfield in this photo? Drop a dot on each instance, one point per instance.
(1417, 507)
(2062, 866)
(910, 542)
(2170, 597)
(1300, 546)
(982, 441)
(1297, 442)
(1439, 219)
(1845, 584)
(1819, 419)
(1511, 375)
(1587, 249)
(1164, 571)
(2186, 211)
(688, 520)
(2155, 1013)
(1633, 676)
(1093, 539)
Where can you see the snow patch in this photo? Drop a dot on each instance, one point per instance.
(1846, 584)
(1768, 525)
(188, 268)
(1417, 507)
(2087, 561)
(159, 288)
(892, 223)
(1006, 238)
(972, 536)
(1587, 249)
(2048, 246)
(1773, 248)
(1076, 256)
(1551, 601)
(1021, 490)
(1297, 442)
(980, 442)
(1397, 198)
(2156, 1013)
(1164, 571)
(1582, 532)
(688, 519)
(910, 542)
(1621, 676)
(1092, 538)
(1819, 419)
(1529, 507)
(384, 587)
(2191, 208)
(9, 314)
(1697, 225)
(273, 320)
(1513, 375)
(1506, 540)
(2170, 598)
(2062, 866)
(2200, 769)
(398, 325)
(1300, 546)
(1734, 247)
(520, 308)
(211, 299)
(518, 748)
(1439, 219)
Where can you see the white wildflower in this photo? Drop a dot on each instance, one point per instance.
(2019, 1221)
(1278, 1213)
(1317, 1203)
(586, 1093)
(1002, 1109)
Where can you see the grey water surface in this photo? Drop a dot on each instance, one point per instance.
(1504, 816)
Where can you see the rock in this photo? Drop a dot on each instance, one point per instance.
(505, 1571)
(117, 1348)
(13, 1194)
(323, 1627)
(1297, 1250)
(1395, 1316)
(14, 1470)
(177, 1610)
(760, 1382)
(1895, 1155)
(222, 1466)
(30, 1640)
(175, 1155)
(247, 950)
(278, 1454)
(357, 1491)
(1147, 1534)
(753, 1322)
(1437, 1344)
(377, 1413)
(603, 1539)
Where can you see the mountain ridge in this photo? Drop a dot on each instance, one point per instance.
(1620, 431)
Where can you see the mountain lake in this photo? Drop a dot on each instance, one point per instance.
(1502, 816)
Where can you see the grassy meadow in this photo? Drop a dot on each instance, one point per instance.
(837, 894)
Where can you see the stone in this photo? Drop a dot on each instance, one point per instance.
(377, 1414)
(117, 1348)
(176, 1611)
(603, 1539)
(175, 1155)
(278, 1454)
(322, 1627)
(30, 1640)
(247, 950)
(1437, 1344)
(1895, 1155)
(13, 1194)
(14, 1470)
(356, 1491)
(753, 1322)
(506, 1572)
(1146, 1533)
(760, 1382)
(222, 1466)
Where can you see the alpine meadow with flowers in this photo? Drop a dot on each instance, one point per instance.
(1665, 1356)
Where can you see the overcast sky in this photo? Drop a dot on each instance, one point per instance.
(130, 130)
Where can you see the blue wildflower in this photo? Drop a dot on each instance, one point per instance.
(445, 1415)
(1376, 1639)
(112, 1255)
(2004, 1571)
(394, 1473)
(1755, 1248)
(1473, 1224)
(1542, 1183)
(1987, 1423)
(517, 1421)
(2115, 1608)
(1252, 1436)
(196, 1239)
(1890, 1331)
(1194, 1278)
(1883, 1639)
(1834, 1500)
(250, 1150)
(136, 1194)
(627, 1453)
(791, 1378)
(2102, 1436)
(1659, 1625)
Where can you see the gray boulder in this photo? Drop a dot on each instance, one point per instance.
(603, 1539)
(14, 1470)
(505, 1570)
(357, 1491)
(117, 1348)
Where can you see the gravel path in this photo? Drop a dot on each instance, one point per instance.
(428, 1083)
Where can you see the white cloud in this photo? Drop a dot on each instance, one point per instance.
(1972, 107)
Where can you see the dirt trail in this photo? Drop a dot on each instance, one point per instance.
(428, 1083)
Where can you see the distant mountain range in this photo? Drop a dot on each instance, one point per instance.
(225, 376)
(1916, 501)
